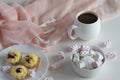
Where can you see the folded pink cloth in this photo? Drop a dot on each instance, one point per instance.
(21, 12)
(43, 23)
(8, 13)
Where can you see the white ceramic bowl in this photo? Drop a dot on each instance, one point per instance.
(85, 72)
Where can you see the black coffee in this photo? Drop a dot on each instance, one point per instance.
(87, 18)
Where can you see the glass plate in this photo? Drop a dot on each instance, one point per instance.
(25, 49)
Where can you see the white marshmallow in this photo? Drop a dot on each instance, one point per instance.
(92, 52)
(84, 53)
(75, 58)
(81, 64)
(88, 60)
(98, 56)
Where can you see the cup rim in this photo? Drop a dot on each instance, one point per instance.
(92, 12)
(98, 49)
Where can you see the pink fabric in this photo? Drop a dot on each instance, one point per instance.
(8, 13)
(31, 23)
(22, 13)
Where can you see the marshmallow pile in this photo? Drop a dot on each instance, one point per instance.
(87, 58)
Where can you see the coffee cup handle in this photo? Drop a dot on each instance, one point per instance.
(70, 30)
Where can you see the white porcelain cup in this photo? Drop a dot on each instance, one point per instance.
(86, 26)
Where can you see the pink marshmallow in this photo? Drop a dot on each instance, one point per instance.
(84, 48)
(32, 73)
(99, 62)
(49, 78)
(72, 48)
(111, 55)
(107, 44)
(96, 64)
(61, 55)
(56, 65)
(6, 68)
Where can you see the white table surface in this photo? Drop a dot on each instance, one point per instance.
(110, 71)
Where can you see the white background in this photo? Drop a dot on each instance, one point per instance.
(111, 70)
